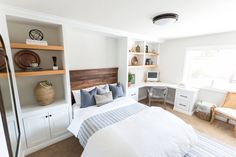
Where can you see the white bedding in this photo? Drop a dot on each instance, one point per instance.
(152, 132)
(80, 114)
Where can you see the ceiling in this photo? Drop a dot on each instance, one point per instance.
(196, 17)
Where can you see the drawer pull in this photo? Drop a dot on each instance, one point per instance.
(133, 94)
(182, 105)
(184, 96)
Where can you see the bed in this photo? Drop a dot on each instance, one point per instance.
(126, 128)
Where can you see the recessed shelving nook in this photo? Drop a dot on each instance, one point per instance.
(18, 30)
(146, 54)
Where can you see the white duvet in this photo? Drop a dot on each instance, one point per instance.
(152, 132)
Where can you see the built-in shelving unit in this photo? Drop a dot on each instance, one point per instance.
(36, 47)
(147, 58)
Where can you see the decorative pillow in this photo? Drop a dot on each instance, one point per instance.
(77, 95)
(103, 90)
(117, 91)
(87, 98)
(103, 99)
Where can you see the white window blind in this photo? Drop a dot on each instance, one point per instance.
(212, 67)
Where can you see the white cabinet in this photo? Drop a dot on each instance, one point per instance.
(59, 121)
(37, 129)
(12, 128)
(185, 99)
(132, 93)
(41, 126)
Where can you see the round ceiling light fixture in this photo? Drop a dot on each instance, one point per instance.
(165, 19)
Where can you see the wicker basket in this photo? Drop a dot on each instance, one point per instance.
(203, 115)
(44, 93)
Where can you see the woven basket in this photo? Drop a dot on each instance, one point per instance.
(44, 93)
(203, 115)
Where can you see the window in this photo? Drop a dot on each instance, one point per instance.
(211, 67)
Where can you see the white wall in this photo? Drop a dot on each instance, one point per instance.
(172, 59)
(87, 49)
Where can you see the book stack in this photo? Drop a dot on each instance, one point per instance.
(36, 42)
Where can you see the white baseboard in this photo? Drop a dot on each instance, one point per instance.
(46, 144)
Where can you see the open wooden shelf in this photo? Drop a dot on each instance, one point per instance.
(142, 66)
(35, 73)
(3, 75)
(151, 54)
(40, 73)
(136, 53)
(36, 47)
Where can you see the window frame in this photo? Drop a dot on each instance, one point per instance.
(202, 48)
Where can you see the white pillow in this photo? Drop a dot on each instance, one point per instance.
(102, 89)
(77, 96)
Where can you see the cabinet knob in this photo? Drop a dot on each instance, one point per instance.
(46, 116)
(50, 115)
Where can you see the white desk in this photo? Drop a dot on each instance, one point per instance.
(184, 97)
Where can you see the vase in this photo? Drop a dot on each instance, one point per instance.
(44, 93)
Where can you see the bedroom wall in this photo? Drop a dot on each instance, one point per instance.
(88, 49)
(172, 59)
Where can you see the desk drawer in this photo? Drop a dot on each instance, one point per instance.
(184, 94)
(133, 93)
(182, 104)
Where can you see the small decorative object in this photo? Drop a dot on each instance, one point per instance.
(137, 48)
(133, 79)
(35, 34)
(54, 59)
(44, 93)
(146, 48)
(148, 61)
(26, 59)
(134, 61)
(129, 79)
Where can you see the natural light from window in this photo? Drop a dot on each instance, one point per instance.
(211, 67)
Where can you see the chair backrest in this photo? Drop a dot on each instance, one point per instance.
(230, 100)
(159, 91)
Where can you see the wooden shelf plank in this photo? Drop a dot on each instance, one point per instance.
(40, 73)
(36, 47)
(142, 66)
(3, 75)
(152, 54)
(136, 53)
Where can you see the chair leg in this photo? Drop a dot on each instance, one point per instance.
(235, 131)
(213, 116)
(149, 102)
(164, 103)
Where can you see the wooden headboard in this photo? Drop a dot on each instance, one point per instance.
(80, 79)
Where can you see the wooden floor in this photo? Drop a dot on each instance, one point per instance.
(71, 148)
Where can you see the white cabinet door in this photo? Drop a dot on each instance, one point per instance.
(37, 129)
(13, 134)
(59, 121)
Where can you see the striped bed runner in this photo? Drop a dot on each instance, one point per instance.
(99, 121)
(208, 147)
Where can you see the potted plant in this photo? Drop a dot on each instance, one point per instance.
(129, 79)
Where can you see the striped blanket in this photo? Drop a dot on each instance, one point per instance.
(99, 121)
(205, 148)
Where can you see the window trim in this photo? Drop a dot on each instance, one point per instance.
(185, 69)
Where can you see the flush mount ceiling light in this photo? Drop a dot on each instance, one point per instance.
(165, 19)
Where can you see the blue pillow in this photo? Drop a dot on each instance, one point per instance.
(117, 91)
(87, 98)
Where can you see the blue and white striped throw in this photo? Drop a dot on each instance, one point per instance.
(206, 147)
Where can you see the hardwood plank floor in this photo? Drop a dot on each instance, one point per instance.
(219, 130)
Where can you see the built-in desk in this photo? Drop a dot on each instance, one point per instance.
(183, 98)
